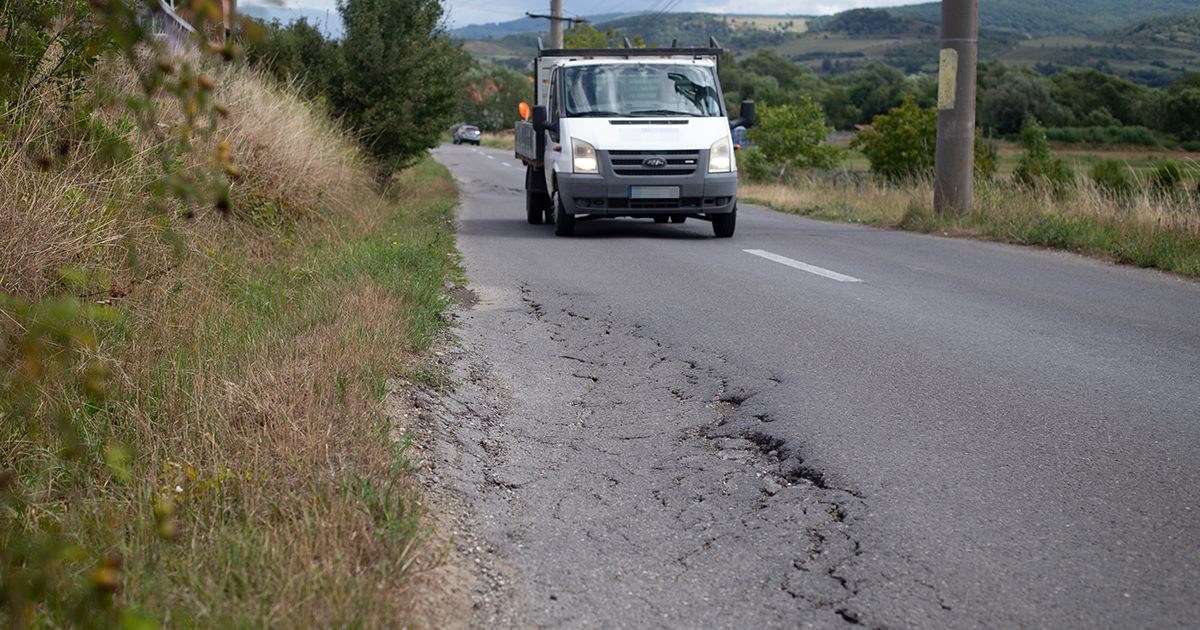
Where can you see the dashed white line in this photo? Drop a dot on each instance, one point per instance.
(505, 164)
(813, 269)
(491, 157)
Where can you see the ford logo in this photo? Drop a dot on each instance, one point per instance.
(654, 162)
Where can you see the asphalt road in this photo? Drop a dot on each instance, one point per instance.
(671, 430)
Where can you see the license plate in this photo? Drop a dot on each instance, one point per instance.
(653, 192)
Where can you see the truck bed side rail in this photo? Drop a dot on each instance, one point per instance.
(525, 143)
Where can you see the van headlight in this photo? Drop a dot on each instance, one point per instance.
(720, 156)
(583, 156)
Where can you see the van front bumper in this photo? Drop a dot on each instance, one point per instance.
(711, 193)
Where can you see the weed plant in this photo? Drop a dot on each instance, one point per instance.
(191, 431)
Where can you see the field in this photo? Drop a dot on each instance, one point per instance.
(778, 23)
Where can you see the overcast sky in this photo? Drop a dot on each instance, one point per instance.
(465, 12)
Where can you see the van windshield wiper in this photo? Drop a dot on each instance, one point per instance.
(661, 112)
(596, 114)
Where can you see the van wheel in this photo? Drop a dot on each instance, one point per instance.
(658, 218)
(678, 218)
(533, 207)
(723, 224)
(564, 224)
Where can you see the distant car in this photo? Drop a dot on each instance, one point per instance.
(467, 133)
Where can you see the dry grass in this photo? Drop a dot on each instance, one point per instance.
(855, 202)
(1147, 229)
(499, 140)
(247, 369)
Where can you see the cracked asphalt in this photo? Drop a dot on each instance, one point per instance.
(656, 430)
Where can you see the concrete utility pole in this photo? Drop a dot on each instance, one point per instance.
(556, 33)
(954, 164)
(556, 21)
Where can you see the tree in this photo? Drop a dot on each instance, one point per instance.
(1181, 108)
(399, 80)
(1016, 96)
(1086, 90)
(769, 78)
(296, 53)
(795, 135)
(791, 76)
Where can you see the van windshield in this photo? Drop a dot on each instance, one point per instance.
(641, 90)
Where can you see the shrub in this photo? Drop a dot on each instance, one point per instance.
(1133, 135)
(752, 164)
(1166, 180)
(1037, 167)
(901, 143)
(1112, 179)
(795, 135)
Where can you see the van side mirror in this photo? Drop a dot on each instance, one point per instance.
(745, 116)
(537, 115)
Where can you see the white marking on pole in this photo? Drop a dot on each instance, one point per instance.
(813, 269)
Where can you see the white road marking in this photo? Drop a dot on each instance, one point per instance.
(833, 275)
(505, 164)
(491, 157)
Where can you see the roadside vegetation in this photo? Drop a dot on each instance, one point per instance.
(1149, 217)
(206, 285)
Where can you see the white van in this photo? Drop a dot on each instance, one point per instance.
(630, 132)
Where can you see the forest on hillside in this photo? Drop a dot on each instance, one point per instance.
(1182, 31)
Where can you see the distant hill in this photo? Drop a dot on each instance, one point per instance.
(328, 22)
(875, 23)
(1153, 53)
(1041, 18)
(1180, 31)
(495, 30)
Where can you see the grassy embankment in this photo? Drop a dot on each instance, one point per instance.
(226, 461)
(1147, 229)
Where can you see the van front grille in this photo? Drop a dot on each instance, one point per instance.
(679, 163)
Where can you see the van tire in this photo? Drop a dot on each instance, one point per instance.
(723, 224)
(533, 207)
(536, 201)
(564, 224)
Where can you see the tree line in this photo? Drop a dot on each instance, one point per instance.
(446, 85)
(1076, 104)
